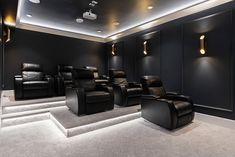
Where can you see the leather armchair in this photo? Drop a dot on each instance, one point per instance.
(86, 97)
(63, 79)
(98, 79)
(125, 94)
(32, 83)
(169, 110)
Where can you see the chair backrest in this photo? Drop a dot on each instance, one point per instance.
(83, 78)
(32, 72)
(153, 85)
(65, 71)
(118, 77)
(95, 71)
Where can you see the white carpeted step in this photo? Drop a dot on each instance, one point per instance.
(6, 122)
(17, 118)
(31, 107)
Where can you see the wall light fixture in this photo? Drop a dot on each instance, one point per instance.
(145, 48)
(6, 35)
(202, 44)
(113, 49)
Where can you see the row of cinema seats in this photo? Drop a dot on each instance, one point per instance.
(88, 93)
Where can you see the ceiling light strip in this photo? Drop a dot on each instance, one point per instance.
(60, 32)
(171, 17)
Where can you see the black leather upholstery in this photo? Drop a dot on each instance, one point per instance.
(32, 83)
(125, 94)
(98, 79)
(86, 96)
(169, 110)
(63, 79)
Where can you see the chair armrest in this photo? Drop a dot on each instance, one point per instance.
(150, 97)
(134, 84)
(51, 84)
(179, 98)
(104, 88)
(49, 78)
(75, 100)
(18, 76)
(120, 94)
(159, 111)
(172, 93)
(18, 87)
(59, 85)
(104, 77)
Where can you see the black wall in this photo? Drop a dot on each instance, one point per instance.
(49, 50)
(173, 54)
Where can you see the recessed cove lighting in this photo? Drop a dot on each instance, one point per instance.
(150, 7)
(79, 20)
(35, 1)
(116, 23)
(29, 15)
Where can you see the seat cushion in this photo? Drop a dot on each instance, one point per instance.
(134, 91)
(99, 81)
(29, 85)
(183, 107)
(66, 75)
(68, 82)
(97, 96)
(32, 76)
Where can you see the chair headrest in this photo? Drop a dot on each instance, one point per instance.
(94, 69)
(31, 67)
(82, 74)
(151, 81)
(117, 74)
(65, 68)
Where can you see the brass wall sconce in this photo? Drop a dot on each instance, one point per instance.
(6, 35)
(202, 44)
(113, 49)
(145, 48)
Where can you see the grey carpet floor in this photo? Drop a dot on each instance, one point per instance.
(206, 137)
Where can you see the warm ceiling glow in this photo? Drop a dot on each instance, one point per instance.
(150, 7)
(116, 23)
(9, 20)
(111, 33)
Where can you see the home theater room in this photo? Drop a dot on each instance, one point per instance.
(115, 78)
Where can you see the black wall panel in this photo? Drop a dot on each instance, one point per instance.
(207, 78)
(50, 50)
(174, 55)
(129, 58)
(171, 58)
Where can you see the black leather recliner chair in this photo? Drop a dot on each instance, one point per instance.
(32, 83)
(125, 94)
(169, 110)
(86, 97)
(63, 79)
(98, 79)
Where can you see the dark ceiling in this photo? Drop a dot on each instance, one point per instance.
(61, 14)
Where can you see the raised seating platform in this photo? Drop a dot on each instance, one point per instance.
(71, 125)
(19, 112)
